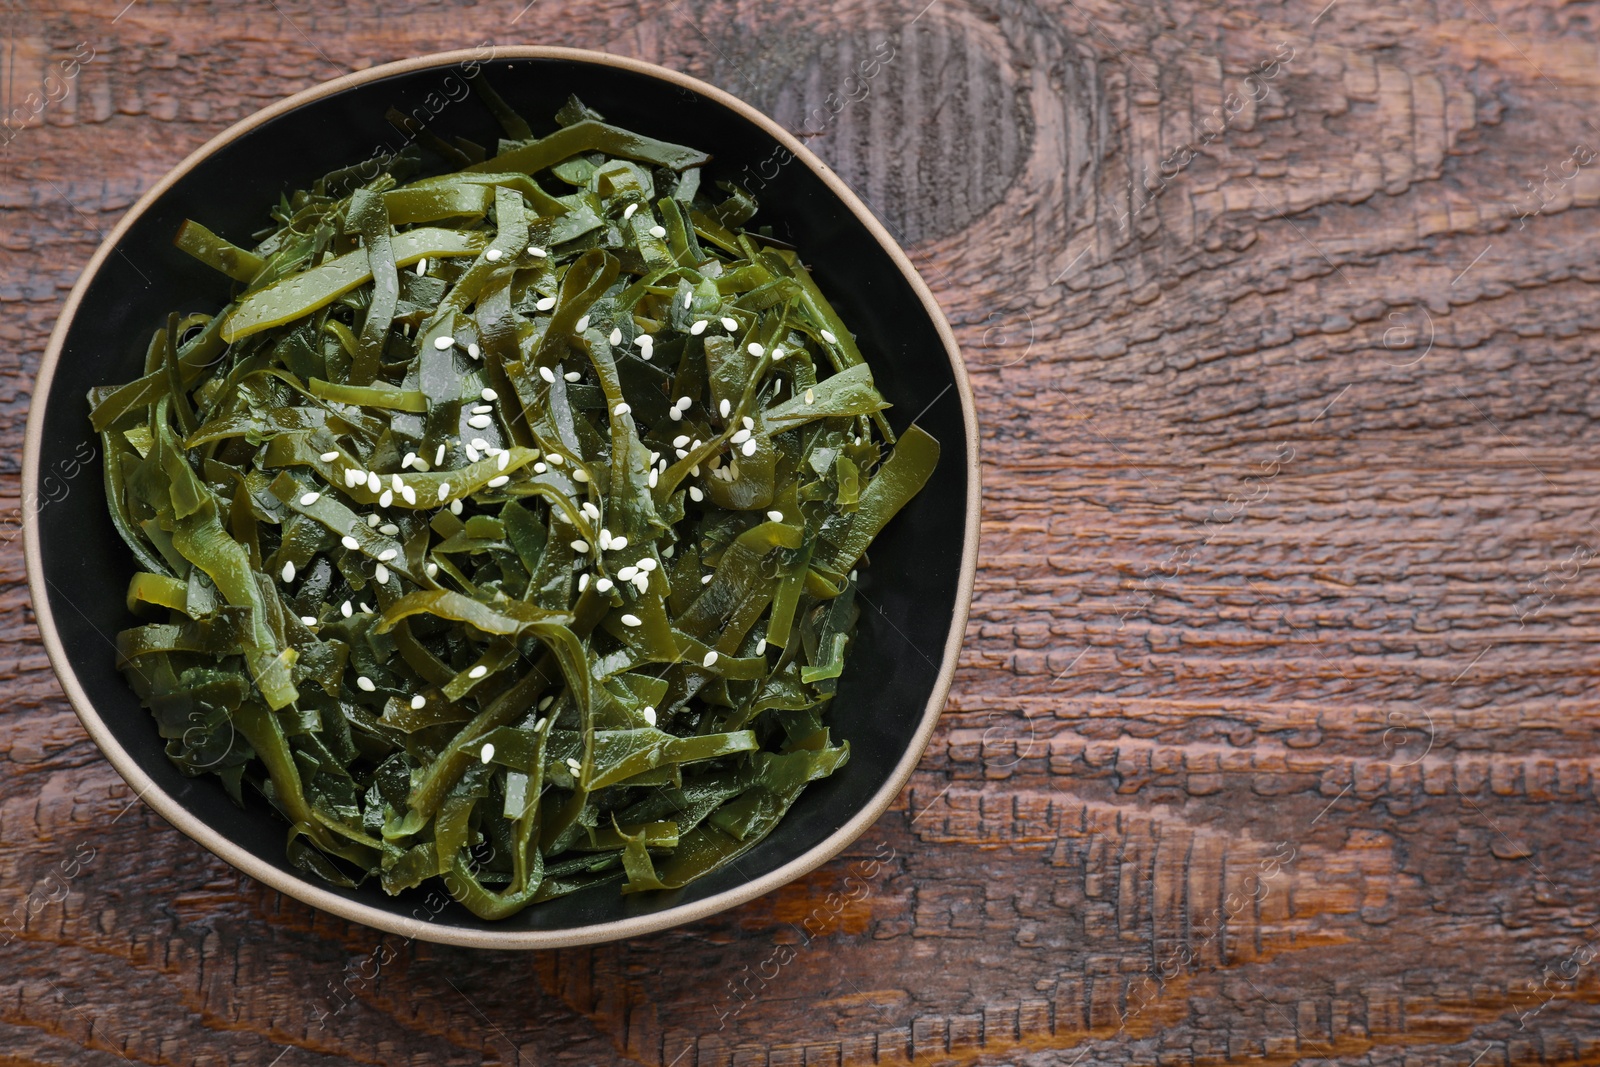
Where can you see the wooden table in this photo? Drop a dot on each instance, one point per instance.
(1273, 736)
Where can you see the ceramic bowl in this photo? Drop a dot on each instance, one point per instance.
(916, 591)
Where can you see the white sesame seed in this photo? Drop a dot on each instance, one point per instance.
(502, 460)
(705, 579)
(572, 375)
(696, 443)
(582, 324)
(409, 494)
(539, 468)
(329, 457)
(365, 684)
(647, 564)
(480, 444)
(350, 542)
(710, 660)
(730, 324)
(755, 349)
(626, 574)
(353, 476)
(583, 582)
(438, 456)
(482, 409)
(694, 471)
(650, 716)
(580, 547)
(365, 607)
(442, 343)
(547, 374)
(386, 498)
(616, 335)
(688, 298)
(545, 703)
(422, 266)
(698, 328)
(480, 422)
(487, 752)
(761, 646)
(574, 764)
(472, 452)
(387, 554)
(674, 414)
(489, 395)
(621, 409)
(478, 672)
(627, 212)
(411, 457)
(473, 350)
(590, 510)
(811, 396)
(455, 507)
(288, 571)
(695, 494)
(739, 438)
(556, 459)
(632, 620)
(545, 304)
(603, 585)
(536, 252)
(580, 475)
(641, 582)
(605, 540)
(683, 402)
(380, 574)
(395, 482)
(444, 490)
(498, 481)
(389, 528)
(307, 499)
(619, 543)
(644, 340)
(374, 483)
(309, 620)
(830, 338)
(419, 702)
(726, 407)
(492, 255)
(655, 477)
(658, 231)
(346, 610)
(431, 569)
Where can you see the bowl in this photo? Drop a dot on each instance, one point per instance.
(916, 591)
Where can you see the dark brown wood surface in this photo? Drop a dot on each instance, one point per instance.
(1274, 738)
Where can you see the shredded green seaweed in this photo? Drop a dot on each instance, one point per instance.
(503, 527)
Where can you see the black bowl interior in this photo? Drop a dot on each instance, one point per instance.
(911, 587)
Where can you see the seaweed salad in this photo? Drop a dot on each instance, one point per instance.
(504, 526)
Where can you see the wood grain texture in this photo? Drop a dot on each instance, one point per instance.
(1274, 735)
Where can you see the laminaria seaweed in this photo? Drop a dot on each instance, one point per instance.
(504, 525)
